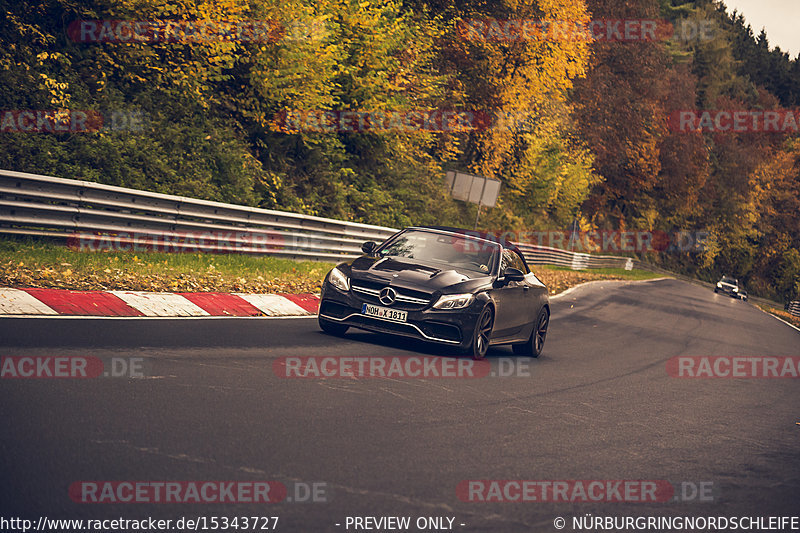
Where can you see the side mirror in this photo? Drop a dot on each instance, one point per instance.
(369, 247)
(513, 274)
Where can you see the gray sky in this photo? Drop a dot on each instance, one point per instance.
(780, 18)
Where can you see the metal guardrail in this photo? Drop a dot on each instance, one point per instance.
(543, 255)
(96, 215)
(88, 213)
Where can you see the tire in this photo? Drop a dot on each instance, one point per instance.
(482, 334)
(534, 346)
(332, 328)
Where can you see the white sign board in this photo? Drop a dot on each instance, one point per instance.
(475, 189)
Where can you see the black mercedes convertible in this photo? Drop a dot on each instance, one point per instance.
(449, 286)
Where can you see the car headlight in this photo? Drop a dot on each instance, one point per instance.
(719, 284)
(339, 280)
(735, 289)
(453, 301)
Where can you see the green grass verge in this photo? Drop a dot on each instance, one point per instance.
(153, 262)
(45, 264)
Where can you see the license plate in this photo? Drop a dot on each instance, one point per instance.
(383, 312)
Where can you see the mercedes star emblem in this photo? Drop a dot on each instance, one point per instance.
(387, 295)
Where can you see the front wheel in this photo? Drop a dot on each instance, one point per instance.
(482, 334)
(534, 346)
(332, 328)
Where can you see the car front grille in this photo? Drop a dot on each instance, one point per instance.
(406, 300)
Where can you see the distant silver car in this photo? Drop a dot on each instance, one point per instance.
(730, 286)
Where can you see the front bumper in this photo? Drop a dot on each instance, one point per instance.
(448, 327)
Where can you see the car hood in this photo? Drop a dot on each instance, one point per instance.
(415, 274)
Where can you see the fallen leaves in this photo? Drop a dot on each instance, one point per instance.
(560, 280)
(785, 315)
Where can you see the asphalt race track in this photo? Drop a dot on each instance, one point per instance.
(598, 405)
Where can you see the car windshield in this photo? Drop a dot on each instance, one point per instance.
(455, 251)
(726, 279)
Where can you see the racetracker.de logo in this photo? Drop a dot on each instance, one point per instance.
(734, 121)
(381, 121)
(251, 241)
(70, 367)
(606, 241)
(177, 492)
(599, 30)
(574, 491)
(722, 366)
(175, 31)
(71, 121)
(50, 121)
(414, 367)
